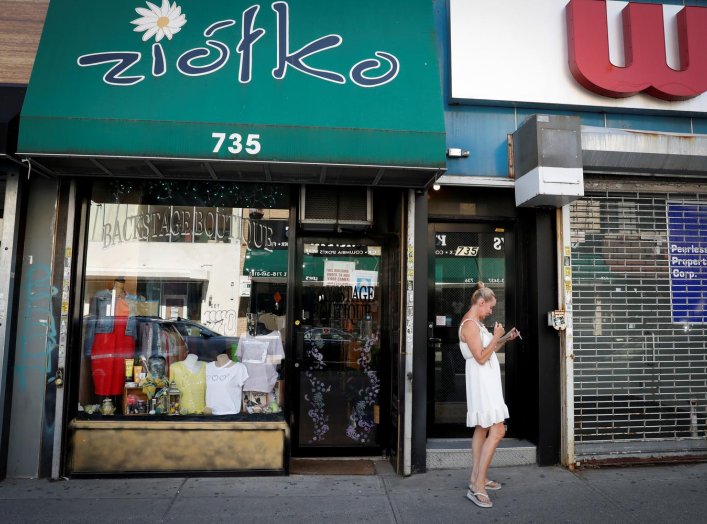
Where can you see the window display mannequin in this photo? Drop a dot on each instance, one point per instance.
(224, 386)
(156, 380)
(189, 375)
(110, 338)
(276, 350)
(262, 373)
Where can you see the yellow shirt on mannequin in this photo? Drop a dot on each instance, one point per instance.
(192, 386)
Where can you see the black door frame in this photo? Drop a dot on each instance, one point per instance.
(293, 404)
(512, 387)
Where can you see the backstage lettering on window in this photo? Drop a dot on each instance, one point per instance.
(190, 225)
(346, 302)
(215, 54)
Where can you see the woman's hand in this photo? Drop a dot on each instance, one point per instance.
(498, 330)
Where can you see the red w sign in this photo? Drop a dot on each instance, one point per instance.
(644, 48)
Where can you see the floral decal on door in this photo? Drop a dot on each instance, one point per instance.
(361, 418)
(317, 407)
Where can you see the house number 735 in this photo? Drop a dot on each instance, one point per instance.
(235, 143)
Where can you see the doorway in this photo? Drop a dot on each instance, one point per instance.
(339, 370)
(463, 255)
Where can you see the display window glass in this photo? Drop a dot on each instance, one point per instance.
(184, 302)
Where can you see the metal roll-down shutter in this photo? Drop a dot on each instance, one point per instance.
(640, 377)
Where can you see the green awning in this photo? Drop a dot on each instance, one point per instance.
(269, 264)
(303, 91)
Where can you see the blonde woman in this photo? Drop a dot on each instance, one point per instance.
(486, 409)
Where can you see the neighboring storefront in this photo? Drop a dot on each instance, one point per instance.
(224, 194)
(638, 273)
(574, 189)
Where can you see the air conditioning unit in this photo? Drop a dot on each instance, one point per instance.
(327, 208)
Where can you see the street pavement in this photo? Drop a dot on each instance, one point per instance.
(641, 494)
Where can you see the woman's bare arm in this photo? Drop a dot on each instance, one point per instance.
(471, 335)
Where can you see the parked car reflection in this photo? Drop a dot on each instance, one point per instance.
(202, 341)
(169, 338)
(148, 336)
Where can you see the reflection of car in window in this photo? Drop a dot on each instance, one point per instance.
(202, 341)
(334, 346)
(150, 336)
(156, 336)
(186, 336)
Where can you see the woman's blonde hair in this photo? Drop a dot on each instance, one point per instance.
(481, 291)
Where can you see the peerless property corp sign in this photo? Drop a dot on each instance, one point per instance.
(628, 55)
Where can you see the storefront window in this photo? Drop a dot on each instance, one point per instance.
(184, 300)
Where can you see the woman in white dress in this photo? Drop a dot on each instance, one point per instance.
(486, 409)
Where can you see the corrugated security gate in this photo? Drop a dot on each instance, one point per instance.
(639, 277)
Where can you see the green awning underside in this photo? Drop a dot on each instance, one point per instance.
(301, 91)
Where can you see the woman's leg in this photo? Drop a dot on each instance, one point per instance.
(477, 443)
(495, 435)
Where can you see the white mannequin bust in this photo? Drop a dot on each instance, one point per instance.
(192, 363)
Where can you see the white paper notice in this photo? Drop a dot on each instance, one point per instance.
(338, 273)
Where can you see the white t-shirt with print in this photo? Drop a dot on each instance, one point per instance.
(224, 387)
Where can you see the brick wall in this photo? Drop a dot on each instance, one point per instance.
(21, 23)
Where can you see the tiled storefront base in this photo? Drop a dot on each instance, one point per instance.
(125, 447)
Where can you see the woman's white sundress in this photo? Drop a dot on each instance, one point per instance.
(484, 391)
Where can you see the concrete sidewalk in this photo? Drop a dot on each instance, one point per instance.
(670, 493)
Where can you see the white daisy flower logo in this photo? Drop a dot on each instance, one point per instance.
(159, 21)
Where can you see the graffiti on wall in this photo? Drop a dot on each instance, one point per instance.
(37, 338)
(225, 321)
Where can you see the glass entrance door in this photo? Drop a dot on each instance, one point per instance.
(463, 255)
(338, 357)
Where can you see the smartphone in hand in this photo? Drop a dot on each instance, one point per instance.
(508, 335)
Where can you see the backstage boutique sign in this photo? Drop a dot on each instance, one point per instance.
(345, 302)
(687, 249)
(304, 81)
(192, 224)
(591, 53)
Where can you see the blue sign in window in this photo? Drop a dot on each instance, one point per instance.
(687, 249)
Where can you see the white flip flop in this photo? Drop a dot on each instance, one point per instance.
(474, 497)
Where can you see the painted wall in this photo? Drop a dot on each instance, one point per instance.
(36, 341)
(482, 126)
